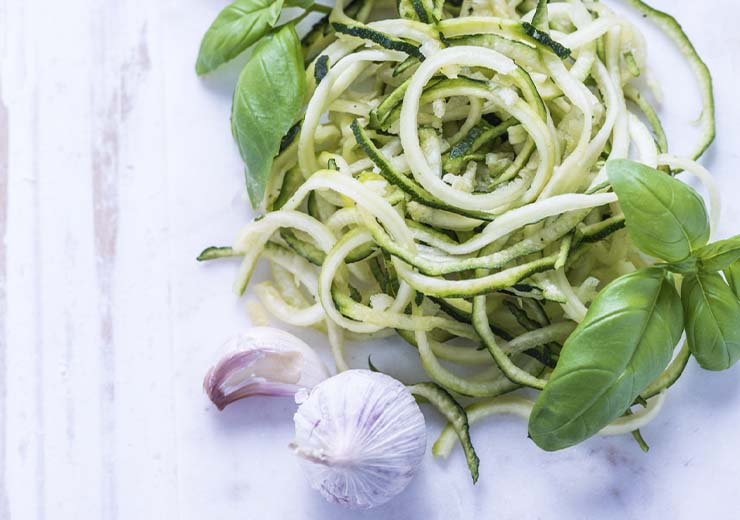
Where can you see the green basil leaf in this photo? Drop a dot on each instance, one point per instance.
(625, 341)
(732, 273)
(719, 255)
(712, 314)
(665, 218)
(267, 102)
(236, 28)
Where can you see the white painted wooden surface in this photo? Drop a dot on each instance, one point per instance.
(116, 168)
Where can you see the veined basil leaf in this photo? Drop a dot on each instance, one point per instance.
(665, 218)
(719, 255)
(712, 314)
(267, 102)
(732, 274)
(235, 28)
(625, 341)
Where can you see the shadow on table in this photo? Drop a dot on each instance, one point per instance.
(223, 80)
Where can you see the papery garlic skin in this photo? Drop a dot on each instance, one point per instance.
(263, 361)
(361, 436)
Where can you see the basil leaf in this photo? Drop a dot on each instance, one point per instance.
(267, 102)
(625, 341)
(712, 320)
(665, 218)
(236, 28)
(732, 274)
(719, 255)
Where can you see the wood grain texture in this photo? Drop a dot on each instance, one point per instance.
(4, 167)
(116, 169)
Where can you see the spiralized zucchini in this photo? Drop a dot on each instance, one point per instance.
(448, 183)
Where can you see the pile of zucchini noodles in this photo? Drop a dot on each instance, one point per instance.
(447, 183)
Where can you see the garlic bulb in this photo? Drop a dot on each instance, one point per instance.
(362, 437)
(263, 361)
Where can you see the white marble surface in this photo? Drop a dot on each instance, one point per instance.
(116, 168)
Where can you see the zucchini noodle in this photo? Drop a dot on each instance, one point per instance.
(522, 407)
(447, 184)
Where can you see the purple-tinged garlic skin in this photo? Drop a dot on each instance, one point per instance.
(361, 436)
(235, 376)
(263, 361)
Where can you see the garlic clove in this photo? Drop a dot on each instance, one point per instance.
(263, 361)
(361, 437)
(254, 372)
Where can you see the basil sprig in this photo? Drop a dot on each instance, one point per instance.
(268, 99)
(630, 331)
